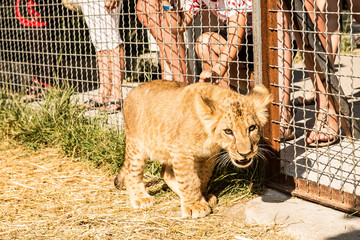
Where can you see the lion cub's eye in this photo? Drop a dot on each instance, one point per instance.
(228, 132)
(252, 128)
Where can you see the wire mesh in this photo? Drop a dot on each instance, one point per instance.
(318, 85)
(104, 54)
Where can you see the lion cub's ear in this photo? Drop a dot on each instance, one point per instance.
(204, 106)
(206, 110)
(261, 98)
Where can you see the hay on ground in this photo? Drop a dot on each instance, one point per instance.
(45, 195)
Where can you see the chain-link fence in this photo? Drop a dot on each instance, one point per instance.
(306, 51)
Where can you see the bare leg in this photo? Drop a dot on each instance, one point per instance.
(285, 64)
(324, 100)
(117, 67)
(104, 75)
(172, 48)
(208, 45)
(331, 35)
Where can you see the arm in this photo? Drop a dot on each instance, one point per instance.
(111, 4)
(176, 20)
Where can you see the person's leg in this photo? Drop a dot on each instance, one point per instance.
(208, 46)
(354, 6)
(117, 73)
(330, 123)
(331, 14)
(105, 36)
(285, 64)
(331, 18)
(326, 119)
(104, 76)
(172, 48)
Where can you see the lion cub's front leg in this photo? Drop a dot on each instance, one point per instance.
(193, 203)
(205, 168)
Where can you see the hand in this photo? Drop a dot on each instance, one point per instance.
(206, 75)
(111, 4)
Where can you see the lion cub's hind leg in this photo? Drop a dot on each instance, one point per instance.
(135, 162)
(167, 173)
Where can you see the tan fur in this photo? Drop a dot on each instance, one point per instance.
(184, 127)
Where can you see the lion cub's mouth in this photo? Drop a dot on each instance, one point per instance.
(243, 162)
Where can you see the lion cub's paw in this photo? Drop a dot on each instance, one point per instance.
(196, 210)
(119, 182)
(142, 202)
(211, 200)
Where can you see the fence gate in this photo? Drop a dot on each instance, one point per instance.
(310, 60)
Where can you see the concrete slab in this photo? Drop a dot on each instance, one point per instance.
(301, 219)
(337, 166)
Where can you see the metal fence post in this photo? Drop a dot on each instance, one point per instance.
(265, 56)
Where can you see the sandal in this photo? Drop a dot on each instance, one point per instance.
(323, 127)
(91, 103)
(301, 101)
(108, 106)
(288, 130)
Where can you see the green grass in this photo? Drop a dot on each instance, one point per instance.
(59, 122)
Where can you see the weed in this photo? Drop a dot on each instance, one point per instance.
(346, 44)
(233, 181)
(59, 122)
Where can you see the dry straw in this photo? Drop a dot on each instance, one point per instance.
(44, 195)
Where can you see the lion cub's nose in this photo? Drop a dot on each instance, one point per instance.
(244, 155)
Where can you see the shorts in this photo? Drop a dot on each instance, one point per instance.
(246, 53)
(103, 26)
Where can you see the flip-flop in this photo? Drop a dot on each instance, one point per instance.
(116, 103)
(33, 94)
(92, 102)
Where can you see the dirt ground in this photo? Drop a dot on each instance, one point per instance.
(45, 195)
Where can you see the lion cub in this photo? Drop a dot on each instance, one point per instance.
(184, 127)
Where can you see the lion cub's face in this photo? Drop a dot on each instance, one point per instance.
(237, 121)
(238, 132)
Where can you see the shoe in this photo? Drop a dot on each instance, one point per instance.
(301, 101)
(322, 126)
